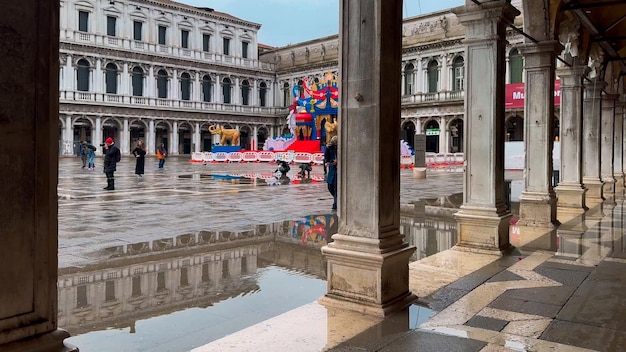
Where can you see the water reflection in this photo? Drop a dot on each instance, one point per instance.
(134, 293)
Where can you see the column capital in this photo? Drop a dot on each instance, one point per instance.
(594, 88)
(486, 13)
(543, 47)
(611, 96)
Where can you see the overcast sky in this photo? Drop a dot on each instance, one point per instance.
(286, 22)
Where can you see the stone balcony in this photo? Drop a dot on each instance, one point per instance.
(121, 100)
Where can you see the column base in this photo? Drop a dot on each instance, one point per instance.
(537, 210)
(369, 282)
(48, 342)
(483, 228)
(619, 182)
(594, 190)
(608, 187)
(571, 195)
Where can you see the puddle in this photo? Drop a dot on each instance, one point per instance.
(177, 293)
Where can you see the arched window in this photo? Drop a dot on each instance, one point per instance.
(207, 87)
(226, 84)
(458, 72)
(162, 84)
(110, 78)
(82, 75)
(262, 94)
(286, 95)
(137, 81)
(516, 66)
(433, 76)
(245, 92)
(409, 72)
(185, 86)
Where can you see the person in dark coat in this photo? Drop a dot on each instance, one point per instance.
(112, 156)
(140, 154)
(330, 160)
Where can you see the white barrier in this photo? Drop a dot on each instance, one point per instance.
(208, 157)
(406, 161)
(220, 156)
(235, 157)
(197, 157)
(250, 157)
(302, 157)
(266, 156)
(318, 158)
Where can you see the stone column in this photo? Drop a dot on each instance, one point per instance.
(151, 142)
(197, 136)
(538, 201)
(618, 145)
(174, 137)
(255, 138)
(97, 77)
(175, 86)
(606, 145)
(151, 86)
(368, 259)
(69, 133)
(443, 135)
(28, 235)
(419, 83)
(591, 140)
(125, 138)
(570, 191)
(97, 139)
(483, 221)
(124, 81)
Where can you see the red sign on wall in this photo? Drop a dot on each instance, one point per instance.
(515, 95)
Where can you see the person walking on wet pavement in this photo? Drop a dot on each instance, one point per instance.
(83, 153)
(112, 156)
(161, 155)
(330, 160)
(140, 156)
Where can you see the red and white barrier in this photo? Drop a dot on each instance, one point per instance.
(208, 157)
(235, 157)
(265, 156)
(318, 158)
(197, 157)
(250, 157)
(220, 157)
(301, 157)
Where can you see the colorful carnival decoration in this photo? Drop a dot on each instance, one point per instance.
(312, 116)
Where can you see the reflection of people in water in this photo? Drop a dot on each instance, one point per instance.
(282, 170)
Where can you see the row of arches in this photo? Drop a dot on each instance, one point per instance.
(186, 83)
(453, 138)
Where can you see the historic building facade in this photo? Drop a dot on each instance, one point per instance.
(160, 71)
(165, 72)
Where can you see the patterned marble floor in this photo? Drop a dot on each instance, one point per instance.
(561, 290)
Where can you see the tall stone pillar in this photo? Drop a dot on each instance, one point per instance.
(591, 140)
(618, 145)
(125, 138)
(606, 145)
(368, 259)
(483, 221)
(30, 148)
(538, 200)
(570, 191)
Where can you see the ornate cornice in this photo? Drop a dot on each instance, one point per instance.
(434, 45)
(202, 13)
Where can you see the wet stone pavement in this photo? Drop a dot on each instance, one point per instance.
(185, 198)
(217, 258)
(192, 253)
